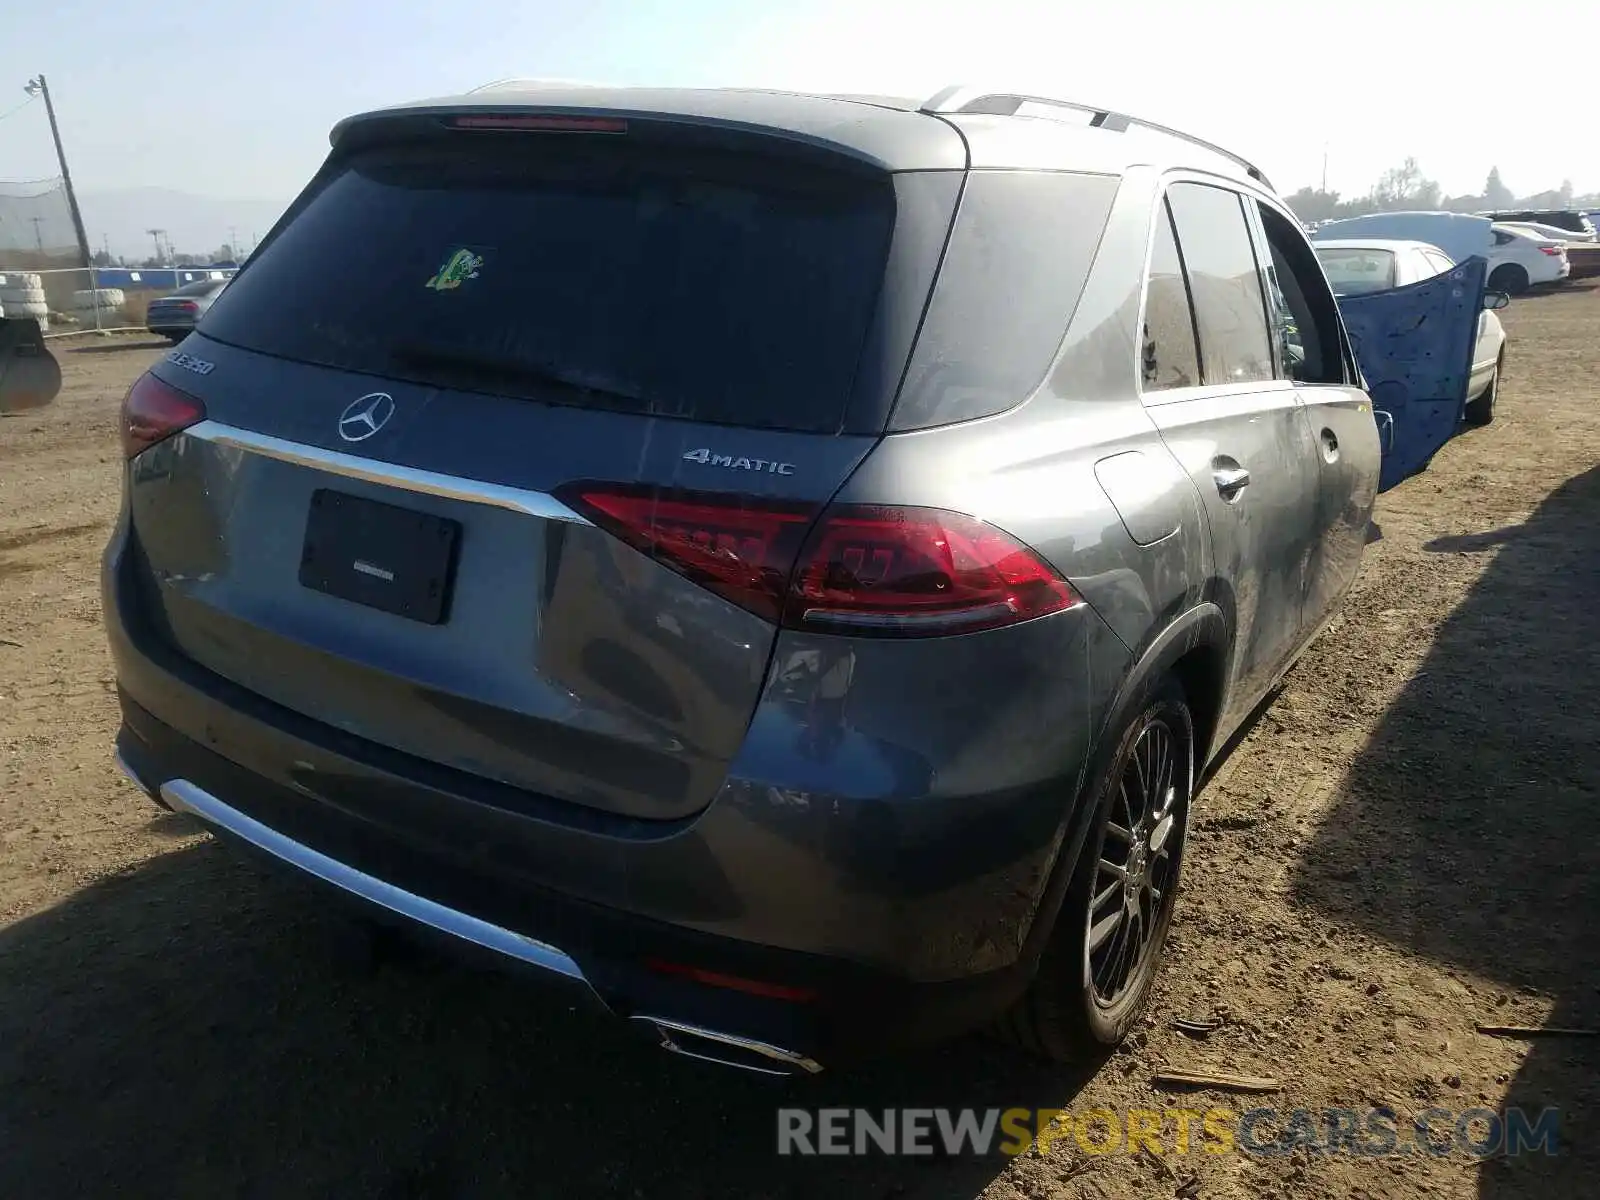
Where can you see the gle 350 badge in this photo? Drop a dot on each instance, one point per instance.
(190, 363)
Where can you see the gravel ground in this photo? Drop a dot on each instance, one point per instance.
(1401, 849)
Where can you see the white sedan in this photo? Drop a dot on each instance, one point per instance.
(1554, 232)
(1521, 259)
(1372, 265)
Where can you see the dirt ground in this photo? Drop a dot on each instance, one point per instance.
(1402, 848)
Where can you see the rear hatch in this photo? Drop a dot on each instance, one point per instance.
(500, 429)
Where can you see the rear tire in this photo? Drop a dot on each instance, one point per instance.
(1481, 411)
(1509, 277)
(1097, 971)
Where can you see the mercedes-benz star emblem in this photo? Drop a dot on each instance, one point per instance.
(364, 417)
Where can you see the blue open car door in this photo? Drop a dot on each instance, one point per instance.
(1415, 345)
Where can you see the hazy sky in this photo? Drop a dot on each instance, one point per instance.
(233, 98)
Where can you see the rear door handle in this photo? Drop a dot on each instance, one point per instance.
(1231, 481)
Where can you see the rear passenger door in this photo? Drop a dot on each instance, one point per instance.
(1312, 353)
(1210, 385)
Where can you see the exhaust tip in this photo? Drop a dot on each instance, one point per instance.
(728, 1049)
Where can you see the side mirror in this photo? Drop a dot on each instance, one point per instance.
(1496, 299)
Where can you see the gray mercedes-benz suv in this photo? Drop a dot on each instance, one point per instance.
(777, 562)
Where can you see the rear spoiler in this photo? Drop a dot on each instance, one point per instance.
(880, 140)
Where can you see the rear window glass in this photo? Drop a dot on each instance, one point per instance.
(1019, 255)
(1351, 272)
(204, 288)
(732, 289)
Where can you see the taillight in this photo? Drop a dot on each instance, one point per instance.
(918, 572)
(739, 549)
(894, 572)
(188, 306)
(1552, 251)
(541, 124)
(153, 411)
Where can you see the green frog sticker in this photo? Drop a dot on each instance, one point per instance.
(458, 268)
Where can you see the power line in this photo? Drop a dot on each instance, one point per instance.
(11, 112)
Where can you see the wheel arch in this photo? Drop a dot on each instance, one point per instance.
(1193, 648)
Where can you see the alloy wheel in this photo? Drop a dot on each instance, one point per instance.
(1136, 876)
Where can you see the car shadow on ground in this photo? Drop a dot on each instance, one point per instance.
(1466, 831)
(121, 345)
(196, 1026)
(1582, 284)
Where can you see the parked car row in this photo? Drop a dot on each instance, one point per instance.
(1564, 224)
(1357, 267)
(1518, 257)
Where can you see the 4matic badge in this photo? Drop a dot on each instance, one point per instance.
(708, 458)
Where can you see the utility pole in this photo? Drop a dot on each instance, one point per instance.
(1324, 168)
(36, 87)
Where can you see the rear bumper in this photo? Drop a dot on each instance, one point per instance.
(168, 326)
(183, 796)
(837, 1012)
(864, 924)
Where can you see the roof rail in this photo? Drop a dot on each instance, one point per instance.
(961, 99)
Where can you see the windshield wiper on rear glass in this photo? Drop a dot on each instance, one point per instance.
(473, 372)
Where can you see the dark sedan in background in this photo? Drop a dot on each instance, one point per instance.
(175, 316)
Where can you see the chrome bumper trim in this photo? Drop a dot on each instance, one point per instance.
(385, 474)
(681, 1038)
(184, 796)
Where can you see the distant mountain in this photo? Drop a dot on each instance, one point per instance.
(194, 224)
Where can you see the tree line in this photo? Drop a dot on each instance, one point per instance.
(1405, 188)
(222, 254)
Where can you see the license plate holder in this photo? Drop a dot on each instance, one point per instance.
(380, 555)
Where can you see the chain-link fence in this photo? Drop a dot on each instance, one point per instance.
(83, 299)
(36, 232)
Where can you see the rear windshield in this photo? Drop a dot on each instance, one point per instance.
(721, 288)
(204, 288)
(1351, 272)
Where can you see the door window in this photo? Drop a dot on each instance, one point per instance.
(1170, 358)
(1305, 317)
(1438, 264)
(1224, 283)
